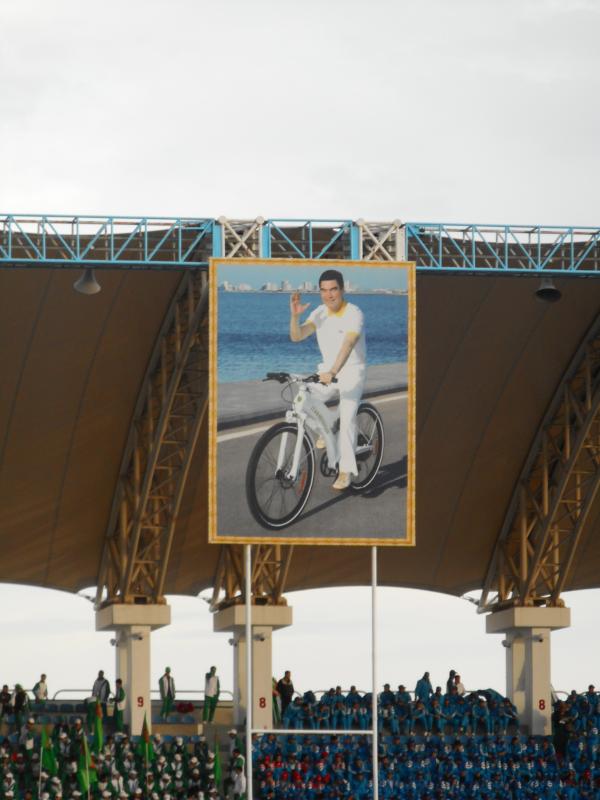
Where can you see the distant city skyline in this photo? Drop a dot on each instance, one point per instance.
(307, 287)
(359, 278)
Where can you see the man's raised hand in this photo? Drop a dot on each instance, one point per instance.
(296, 307)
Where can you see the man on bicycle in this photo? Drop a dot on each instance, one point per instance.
(339, 326)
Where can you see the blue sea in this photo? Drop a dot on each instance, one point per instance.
(254, 333)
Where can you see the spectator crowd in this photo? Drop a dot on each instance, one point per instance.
(71, 763)
(433, 744)
(429, 711)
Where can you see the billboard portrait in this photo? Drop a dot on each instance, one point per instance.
(312, 402)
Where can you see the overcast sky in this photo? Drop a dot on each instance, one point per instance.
(465, 111)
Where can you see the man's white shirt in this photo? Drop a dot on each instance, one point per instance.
(41, 691)
(332, 328)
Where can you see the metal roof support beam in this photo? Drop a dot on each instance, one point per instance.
(381, 241)
(271, 564)
(537, 545)
(171, 406)
(241, 238)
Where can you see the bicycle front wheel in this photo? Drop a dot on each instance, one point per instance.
(369, 445)
(275, 499)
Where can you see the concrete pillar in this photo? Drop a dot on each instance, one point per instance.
(133, 625)
(265, 619)
(515, 671)
(121, 657)
(528, 673)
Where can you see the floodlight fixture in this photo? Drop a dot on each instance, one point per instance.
(87, 283)
(547, 291)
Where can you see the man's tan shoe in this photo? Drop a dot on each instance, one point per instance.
(342, 482)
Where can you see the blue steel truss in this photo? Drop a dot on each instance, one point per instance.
(97, 241)
(312, 238)
(521, 248)
(30, 240)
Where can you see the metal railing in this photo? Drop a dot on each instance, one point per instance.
(182, 694)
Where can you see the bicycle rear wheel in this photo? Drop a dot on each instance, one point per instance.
(370, 440)
(274, 499)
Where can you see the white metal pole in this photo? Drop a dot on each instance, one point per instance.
(374, 740)
(248, 593)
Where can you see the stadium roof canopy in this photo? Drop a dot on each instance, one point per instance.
(491, 358)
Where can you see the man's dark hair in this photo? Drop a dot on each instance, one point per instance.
(332, 275)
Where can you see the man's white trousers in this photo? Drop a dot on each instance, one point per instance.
(350, 385)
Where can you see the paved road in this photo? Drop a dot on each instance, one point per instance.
(246, 402)
(380, 511)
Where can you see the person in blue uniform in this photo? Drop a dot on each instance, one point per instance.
(507, 715)
(341, 716)
(423, 689)
(323, 716)
(403, 718)
(387, 696)
(420, 716)
(292, 715)
(352, 697)
(481, 716)
(402, 696)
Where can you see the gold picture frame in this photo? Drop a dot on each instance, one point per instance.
(288, 538)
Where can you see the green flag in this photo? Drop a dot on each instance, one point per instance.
(146, 748)
(48, 757)
(86, 771)
(217, 768)
(98, 729)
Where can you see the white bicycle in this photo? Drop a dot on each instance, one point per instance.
(281, 469)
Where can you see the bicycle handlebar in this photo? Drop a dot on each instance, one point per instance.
(285, 377)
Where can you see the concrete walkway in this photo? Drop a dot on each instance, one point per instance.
(246, 402)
